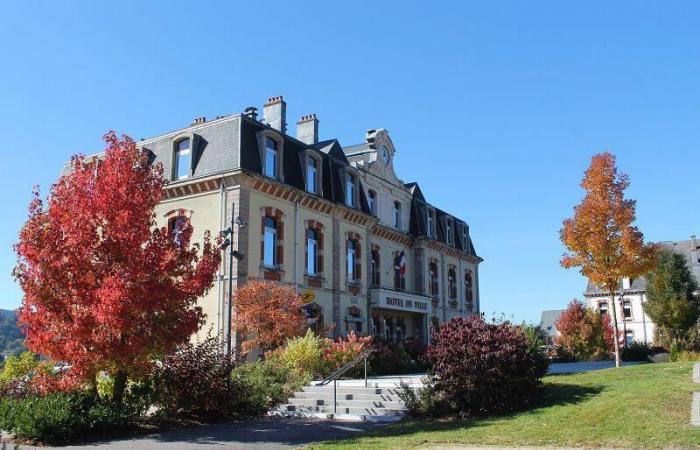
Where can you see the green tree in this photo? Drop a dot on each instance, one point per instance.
(671, 300)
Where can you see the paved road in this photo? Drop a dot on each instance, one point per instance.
(585, 366)
(265, 433)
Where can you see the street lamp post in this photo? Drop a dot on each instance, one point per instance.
(228, 243)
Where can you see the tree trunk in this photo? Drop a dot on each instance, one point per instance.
(616, 340)
(120, 378)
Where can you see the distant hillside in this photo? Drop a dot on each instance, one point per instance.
(11, 338)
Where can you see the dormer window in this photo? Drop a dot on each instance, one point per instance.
(182, 159)
(431, 223)
(271, 157)
(372, 201)
(397, 215)
(311, 174)
(349, 189)
(449, 228)
(465, 239)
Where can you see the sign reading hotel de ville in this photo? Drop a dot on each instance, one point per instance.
(394, 301)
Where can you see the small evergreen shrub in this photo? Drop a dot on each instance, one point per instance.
(262, 385)
(636, 351)
(195, 382)
(482, 368)
(60, 417)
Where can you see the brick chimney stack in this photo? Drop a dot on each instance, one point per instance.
(307, 129)
(275, 113)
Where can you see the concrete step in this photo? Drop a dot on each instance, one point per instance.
(328, 396)
(372, 403)
(338, 417)
(342, 409)
(350, 390)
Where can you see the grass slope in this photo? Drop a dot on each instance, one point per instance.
(645, 406)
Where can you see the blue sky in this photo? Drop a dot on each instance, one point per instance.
(495, 107)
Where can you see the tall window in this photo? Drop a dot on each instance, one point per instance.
(450, 237)
(468, 287)
(182, 159)
(349, 189)
(433, 278)
(311, 250)
(627, 309)
(452, 283)
(603, 308)
(375, 269)
(397, 215)
(372, 200)
(176, 226)
(271, 157)
(311, 174)
(629, 337)
(351, 260)
(465, 241)
(431, 224)
(400, 271)
(270, 242)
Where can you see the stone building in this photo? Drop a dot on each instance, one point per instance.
(367, 250)
(632, 321)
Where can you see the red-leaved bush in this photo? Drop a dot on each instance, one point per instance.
(194, 382)
(483, 368)
(344, 349)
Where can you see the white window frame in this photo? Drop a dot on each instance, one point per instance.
(430, 223)
(311, 252)
(262, 147)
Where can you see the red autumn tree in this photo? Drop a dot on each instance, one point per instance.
(601, 239)
(267, 314)
(104, 288)
(583, 332)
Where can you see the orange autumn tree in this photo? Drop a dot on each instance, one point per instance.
(601, 239)
(267, 314)
(105, 289)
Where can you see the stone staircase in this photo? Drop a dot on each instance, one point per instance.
(379, 402)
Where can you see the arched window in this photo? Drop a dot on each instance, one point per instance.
(452, 283)
(311, 251)
(176, 226)
(271, 157)
(397, 215)
(270, 242)
(468, 287)
(182, 159)
(433, 278)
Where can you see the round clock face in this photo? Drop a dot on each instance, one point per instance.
(385, 154)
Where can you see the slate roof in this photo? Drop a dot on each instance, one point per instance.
(690, 249)
(547, 321)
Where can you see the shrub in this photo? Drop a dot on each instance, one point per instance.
(686, 355)
(195, 382)
(584, 334)
(425, 400)
(673, 353)
(483, 368)
(59, 417)
(636, 351)
(262, 385)
(343, 350)
(18, 367)
(304, 354)
(537, 342)
(391, 358)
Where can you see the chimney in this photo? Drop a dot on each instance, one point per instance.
(275, 113)
(198, 121)
(307, 129)
(251, 112)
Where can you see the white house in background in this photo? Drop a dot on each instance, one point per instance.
(548, 322)
(632, 320)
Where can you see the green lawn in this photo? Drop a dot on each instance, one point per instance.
(640, 406)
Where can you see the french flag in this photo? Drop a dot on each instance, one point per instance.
(400, 263)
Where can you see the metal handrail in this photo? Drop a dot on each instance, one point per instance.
(340, 371)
